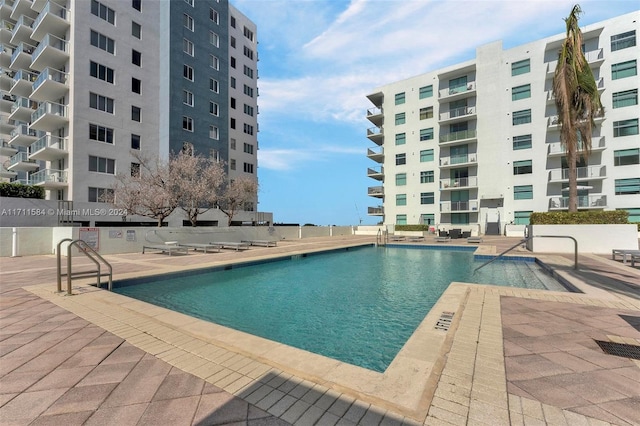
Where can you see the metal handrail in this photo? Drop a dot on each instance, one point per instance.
(85, 249)
(381, 237)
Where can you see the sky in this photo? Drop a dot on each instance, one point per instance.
(318, 59)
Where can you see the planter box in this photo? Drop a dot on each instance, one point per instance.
(600, 239)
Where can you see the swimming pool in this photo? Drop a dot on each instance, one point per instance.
(358, 305)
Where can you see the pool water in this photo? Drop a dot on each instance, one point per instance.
(358, 306)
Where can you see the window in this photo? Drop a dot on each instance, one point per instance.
(232, 144)
(232, 82)
(522, 117)
(214, 39)
(136, 57)
(401, 179)
(625, 157)
(214, 86)
(426, 92)
(426, 134)
(426, 176)
(401, 138)
(401, 118)
(521, 92)
(459, 218)
(187, 46)
(136, 85)
(213, 16)
(100, 133)
(248, 148)
(100, 195)
(135, 142)
(248, 129)
(101, 103)
(524, 192)
(521, 218)
(622, 41)
(136, 4)
(626, 98)
(232, 123)
(522, 167)
(625, 128)
(248, 91)
(401, 199)
(248, 168)
(187, 21)
(214, 132)
(101, 72)
(136, 113)
(400, 99)
(136, 30)
(187, 72)
(401, 219)
(401, 159)
(214, 62)
(427, 198)
(426, 155)
(189, 2)
(426, 112)
(103, 12)
(428, 218)
(634, 214)
(102, 165)
(248, 109)
(232, 42)
(248, 71)
(248, 33)
(232, 164)
(135, 169)
(520, 67)
(627, 186)
(187, 98)
(214, 108)
(187, 123)
(103, 42)
(232, 103)
(248, 52)
(233, 22)
(624, 69)
(458, 85)
(521, 142)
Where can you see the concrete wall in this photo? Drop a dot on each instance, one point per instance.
(600, 239)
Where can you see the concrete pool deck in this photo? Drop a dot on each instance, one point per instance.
(508, 356)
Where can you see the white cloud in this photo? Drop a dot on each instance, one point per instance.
(289, 159)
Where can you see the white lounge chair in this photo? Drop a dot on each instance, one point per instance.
(231, 245)
(166, 248)
(204, 247)
(475, 240)
(624, 254)
(263, 243)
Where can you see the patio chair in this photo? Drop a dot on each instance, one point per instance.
(455, 233)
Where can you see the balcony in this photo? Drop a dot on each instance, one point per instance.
(594, 58)
(458, 114)
(459, 206)
(23, 83)
(6, 102)
(22, 135)
(455, 93)
(21, 57)
(594, 201)
(376, 173)
(51, 84)
(6, 125)
(457, 138)
(376, 155)
(6, 52)
(49, 117)
(555, 149)
(453, 184)
(5, 173)
(375, 211)
(375, 135)
(375, 191)
(53, 19)
(22, 108)
(376, 98)
(22, 30)
(553, 122)
(20, 162)
(5, 7)
(6, 149)
(48, 148)
(458, 160)
(584, 173)
(6, 79)
(6, 29)
(52, 51)
(49, 179)
(22, 7)
(375, 116)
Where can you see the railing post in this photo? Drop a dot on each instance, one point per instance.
(69, 270)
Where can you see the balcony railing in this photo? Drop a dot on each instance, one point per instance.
(375, 211)
(458, 206)
(458, 112)
(375, 191)
(374, 131)
(451, 91)
(374, 111)
(556, 148)
(48, 176)
(455, 183)
(597, 201)
(459, 159)
(589, 172)
(50, 41)
(20, 157)
(47, 141)
(50, 74)
(375, 171)
(49, 108)
(371, 152)
(460, 135)
(22, 48)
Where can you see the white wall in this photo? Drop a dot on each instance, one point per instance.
(600, 239)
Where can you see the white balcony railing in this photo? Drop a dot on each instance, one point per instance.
(459, 159)
(589, 172)
(47, 141)
(458, 112)
(458, 206)
(584, 201)
(454, 136)
(48, 176)
(455, 183)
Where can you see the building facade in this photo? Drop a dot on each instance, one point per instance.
(86, 84)
(477, 144)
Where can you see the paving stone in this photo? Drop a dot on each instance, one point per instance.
(81, 399)
(75, 418)
(26, 406)
(179, 385)
(220, 408)
(177, 411)
(122, 415)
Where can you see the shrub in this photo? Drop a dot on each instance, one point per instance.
(596, 217)
(18, 190)
(412, 227)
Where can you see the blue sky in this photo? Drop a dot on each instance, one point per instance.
(319, 59)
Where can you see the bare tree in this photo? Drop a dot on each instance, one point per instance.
(197, 182)
(237, 195)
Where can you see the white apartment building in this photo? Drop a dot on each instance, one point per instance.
(85, 83)
(476, 145)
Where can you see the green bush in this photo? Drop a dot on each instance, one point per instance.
(596, 217)
(412, 227)
(18, 190)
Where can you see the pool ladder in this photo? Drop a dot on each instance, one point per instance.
(381, 238)
(93, 255)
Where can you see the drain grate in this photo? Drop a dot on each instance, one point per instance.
(445, 321)
(619, 349)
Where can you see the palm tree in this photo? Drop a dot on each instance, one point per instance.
(577, 100)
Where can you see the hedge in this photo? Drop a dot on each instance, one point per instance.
(412, 227)
(18, 190)
(596, 217)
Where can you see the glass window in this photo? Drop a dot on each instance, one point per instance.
(459, 218)
(214, 39)
(103, 42)
(187, 21)
(102, 165)
(426, 112)
(520, 67)
(426, 92)
(401, 159)
(428, 218)
(401, 179)
(187, 123)
(187, 46)
(136, 85)
(100, 133)
(101, 72)
(634, 214)
(624, 69)
(521, 92)
(214, 132)
(214, 108)
(623, 41)
(247, 128)
(136, 30)
(136, 4)
(401, 118)
(136, 57)
(187, 72)
(136, 113)
(524, 192)
(625, 157)
(521, 218)
(101, 103)
(458, 85)
(401, 138)
(401, 199)
(135, 142)
(187, 98)
(427, 198)
(426, 176)
(103, 12)
(522, 167)
(625, 128)
(426, 155)
(213, 16)
(400, 98)
(100, 195)
(426, 134)
(627, 186)
(522, 117)
(213, 85)
(626, 98)
(401, 219)
(521, 142)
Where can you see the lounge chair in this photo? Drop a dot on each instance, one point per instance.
(635, 258)
(263, 243)
(396, 238)
(443, 239)
(624, 254)
(204, 247)
(231, 245)
(166, 248)
(455, 233)
(416, 238)
(465, 234)
(475, 240)
(442, 233)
